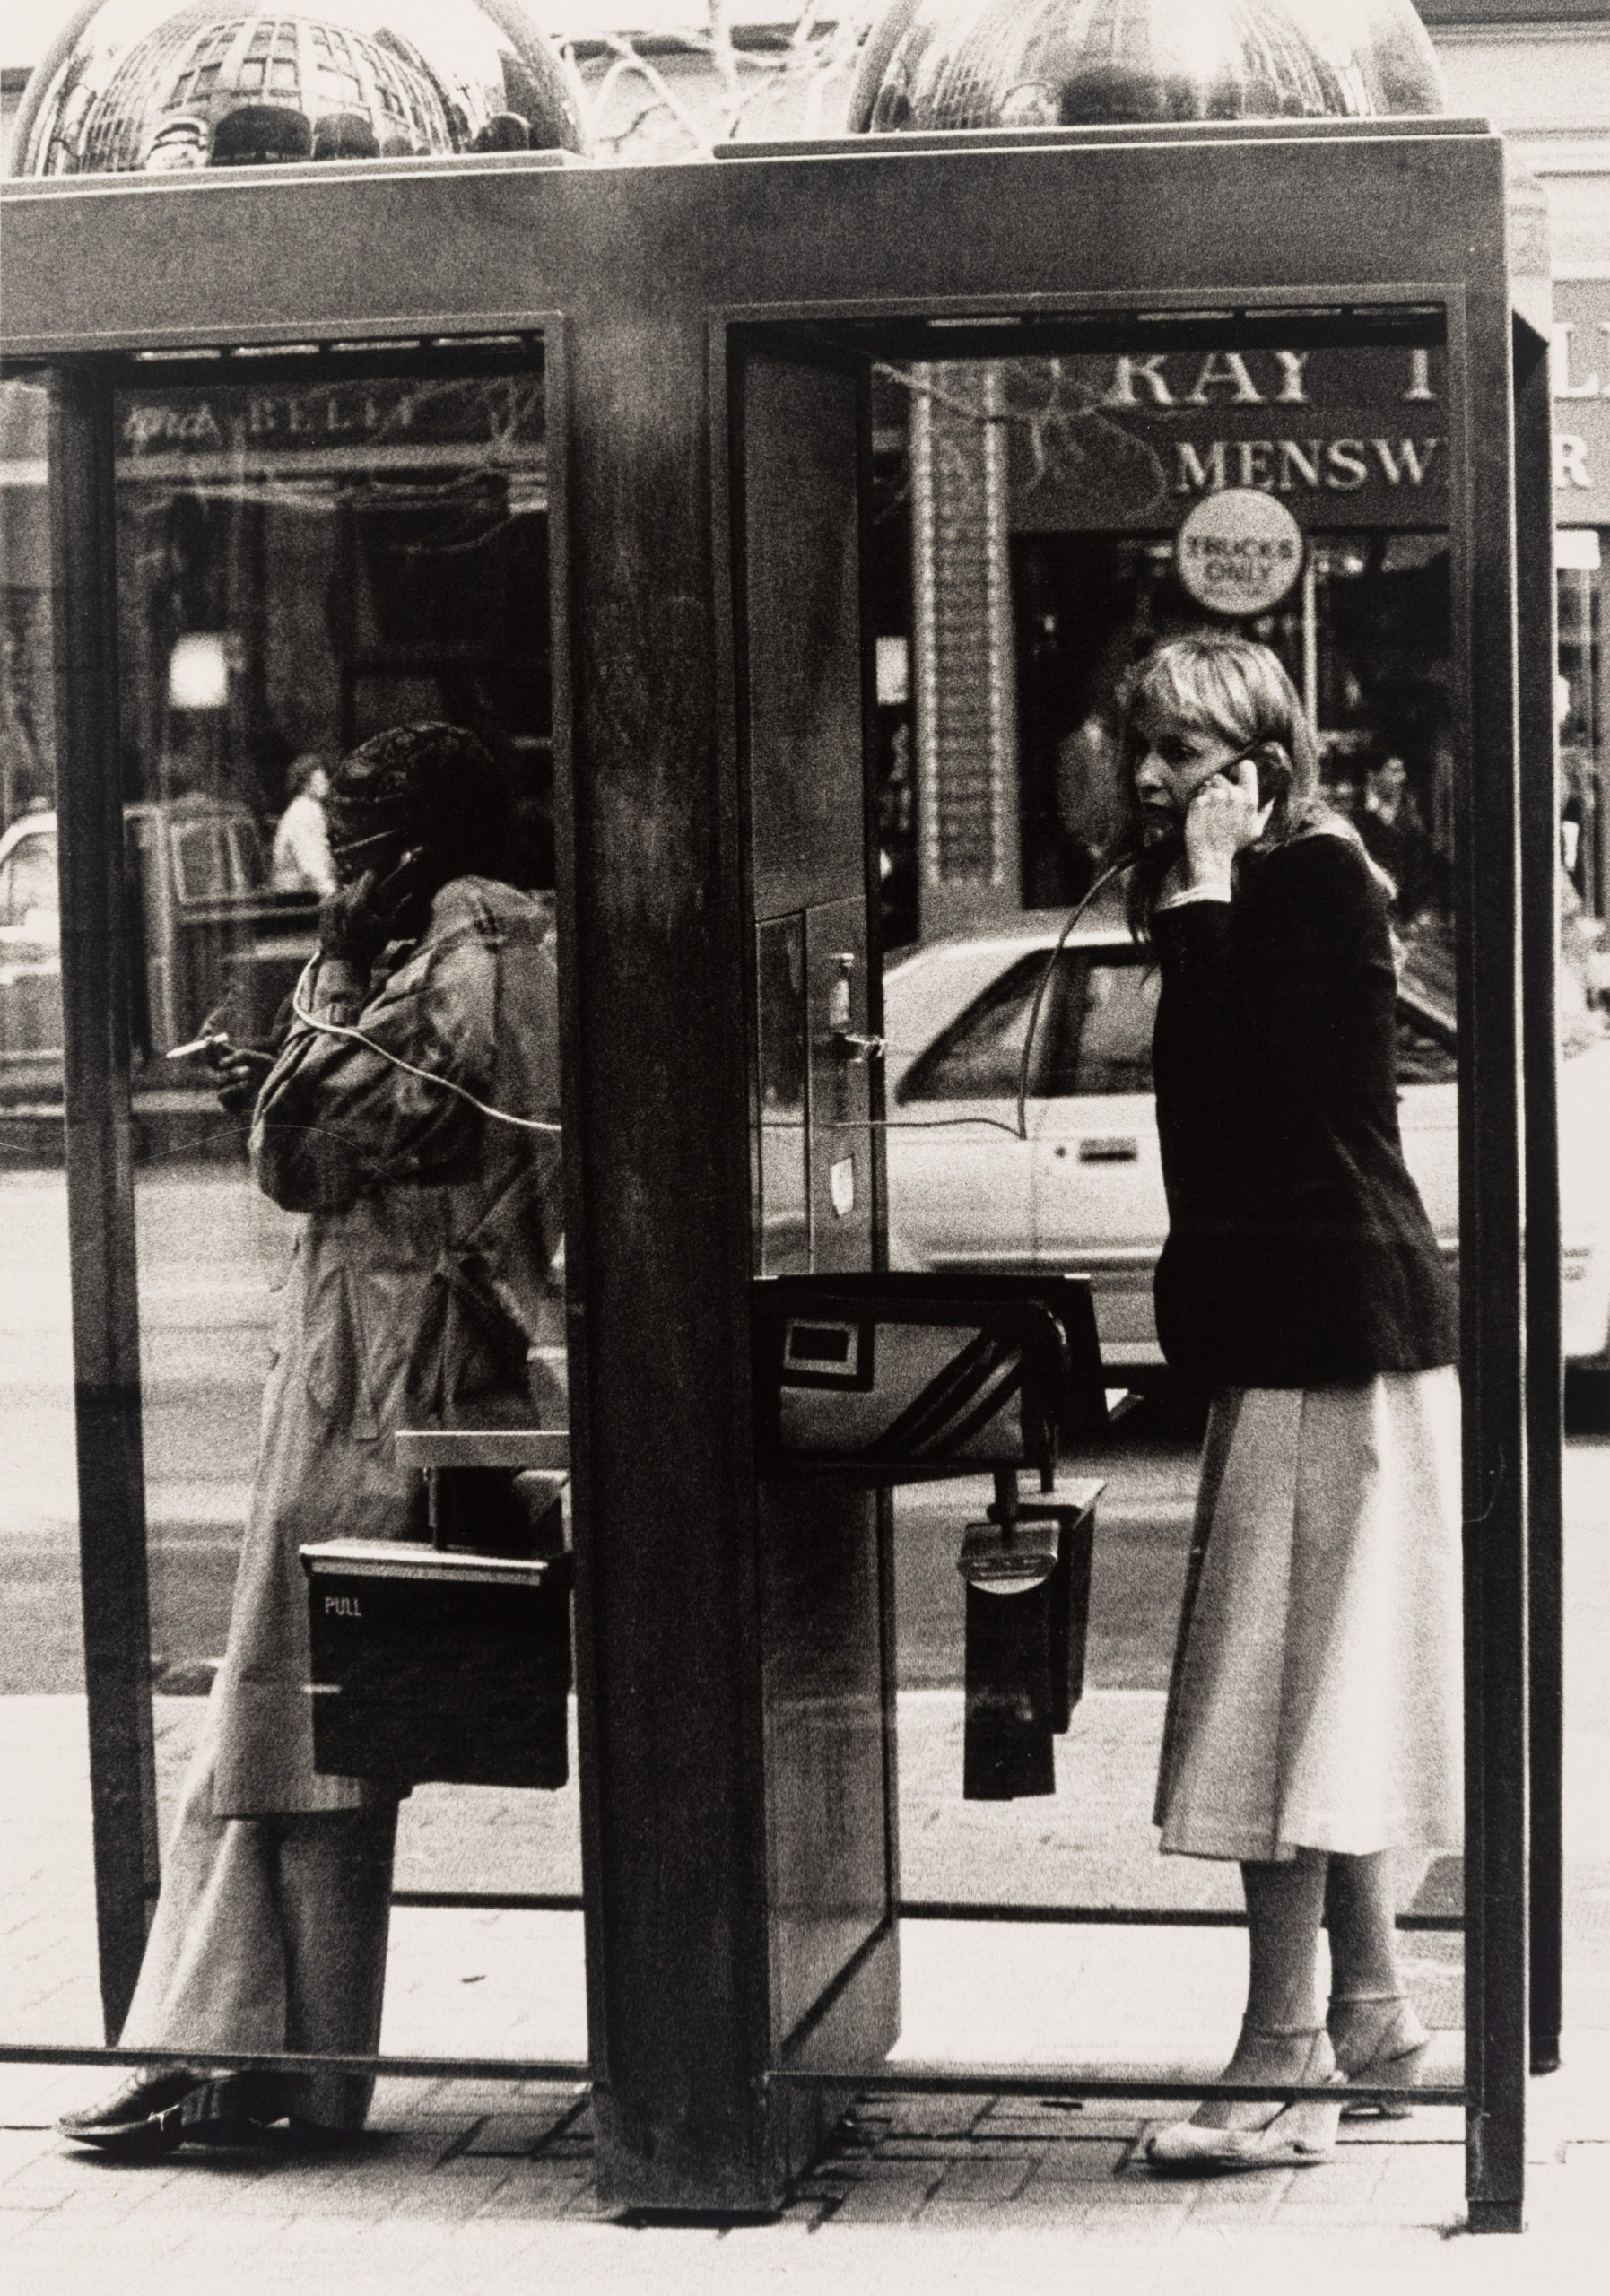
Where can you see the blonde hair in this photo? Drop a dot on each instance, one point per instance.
(1237, 690)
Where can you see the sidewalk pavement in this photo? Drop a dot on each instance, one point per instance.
(461, 2186)
(457, 2188)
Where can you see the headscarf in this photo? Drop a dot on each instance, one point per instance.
(437, 786)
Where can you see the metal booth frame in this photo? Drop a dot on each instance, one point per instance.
(644, 286)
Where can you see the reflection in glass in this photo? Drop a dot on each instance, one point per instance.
(784, 1166)
(49, 1979)
(303, 564)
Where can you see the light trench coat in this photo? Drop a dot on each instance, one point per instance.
(421, 1280)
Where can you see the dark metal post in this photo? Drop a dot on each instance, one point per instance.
(1539, 944)
(665, 1596)
(1492, 1295)
(100, 1208)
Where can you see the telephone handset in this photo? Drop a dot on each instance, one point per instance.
(1274, 774)
(1273, 779)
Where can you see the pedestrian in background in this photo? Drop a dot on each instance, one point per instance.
(301, 861)
(1389, 827)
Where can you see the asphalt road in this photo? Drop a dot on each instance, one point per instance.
(211, 1251)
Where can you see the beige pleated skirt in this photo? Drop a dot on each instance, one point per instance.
(1316, 1699)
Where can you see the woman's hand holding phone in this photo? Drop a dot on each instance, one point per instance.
(1226, 817)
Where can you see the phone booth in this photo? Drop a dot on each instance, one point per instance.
(706, 336)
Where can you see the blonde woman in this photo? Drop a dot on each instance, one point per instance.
(1313, 1730)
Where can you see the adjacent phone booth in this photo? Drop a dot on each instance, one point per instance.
(706, 336)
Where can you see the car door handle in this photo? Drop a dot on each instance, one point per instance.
(1110, 1151)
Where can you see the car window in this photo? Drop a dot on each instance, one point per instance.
(1426, 1031)
(1102, 1042)
(979, 1055)
(1426, 967)
(1095, 1034)
(1426, 1048)
(28, 880)
(199, 867)
(249, 875)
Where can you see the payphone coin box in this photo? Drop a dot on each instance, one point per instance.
(435, 1666)
(1027, 1618)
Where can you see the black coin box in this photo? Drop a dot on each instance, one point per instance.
(1028, 1614)
(435, 1666)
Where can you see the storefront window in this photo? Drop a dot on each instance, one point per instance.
(1110, 452)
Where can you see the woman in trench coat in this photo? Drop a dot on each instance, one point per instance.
(428, 1225)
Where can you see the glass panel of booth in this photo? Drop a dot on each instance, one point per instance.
(1025, 554)
(1583, 702)
(49, 1984)
(312, 557)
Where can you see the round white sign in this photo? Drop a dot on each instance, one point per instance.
(1238, 550)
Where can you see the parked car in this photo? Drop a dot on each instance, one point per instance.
(1083, 1191)
(210, 934)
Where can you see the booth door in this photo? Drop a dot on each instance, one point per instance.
(818, 1194)
(302, 560)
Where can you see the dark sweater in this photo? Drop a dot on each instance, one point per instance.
(1299, 1253)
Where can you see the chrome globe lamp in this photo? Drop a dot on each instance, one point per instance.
(955, 64)
(132, 86)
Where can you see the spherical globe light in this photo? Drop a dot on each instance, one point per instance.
(145, 86)
(952, 64)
